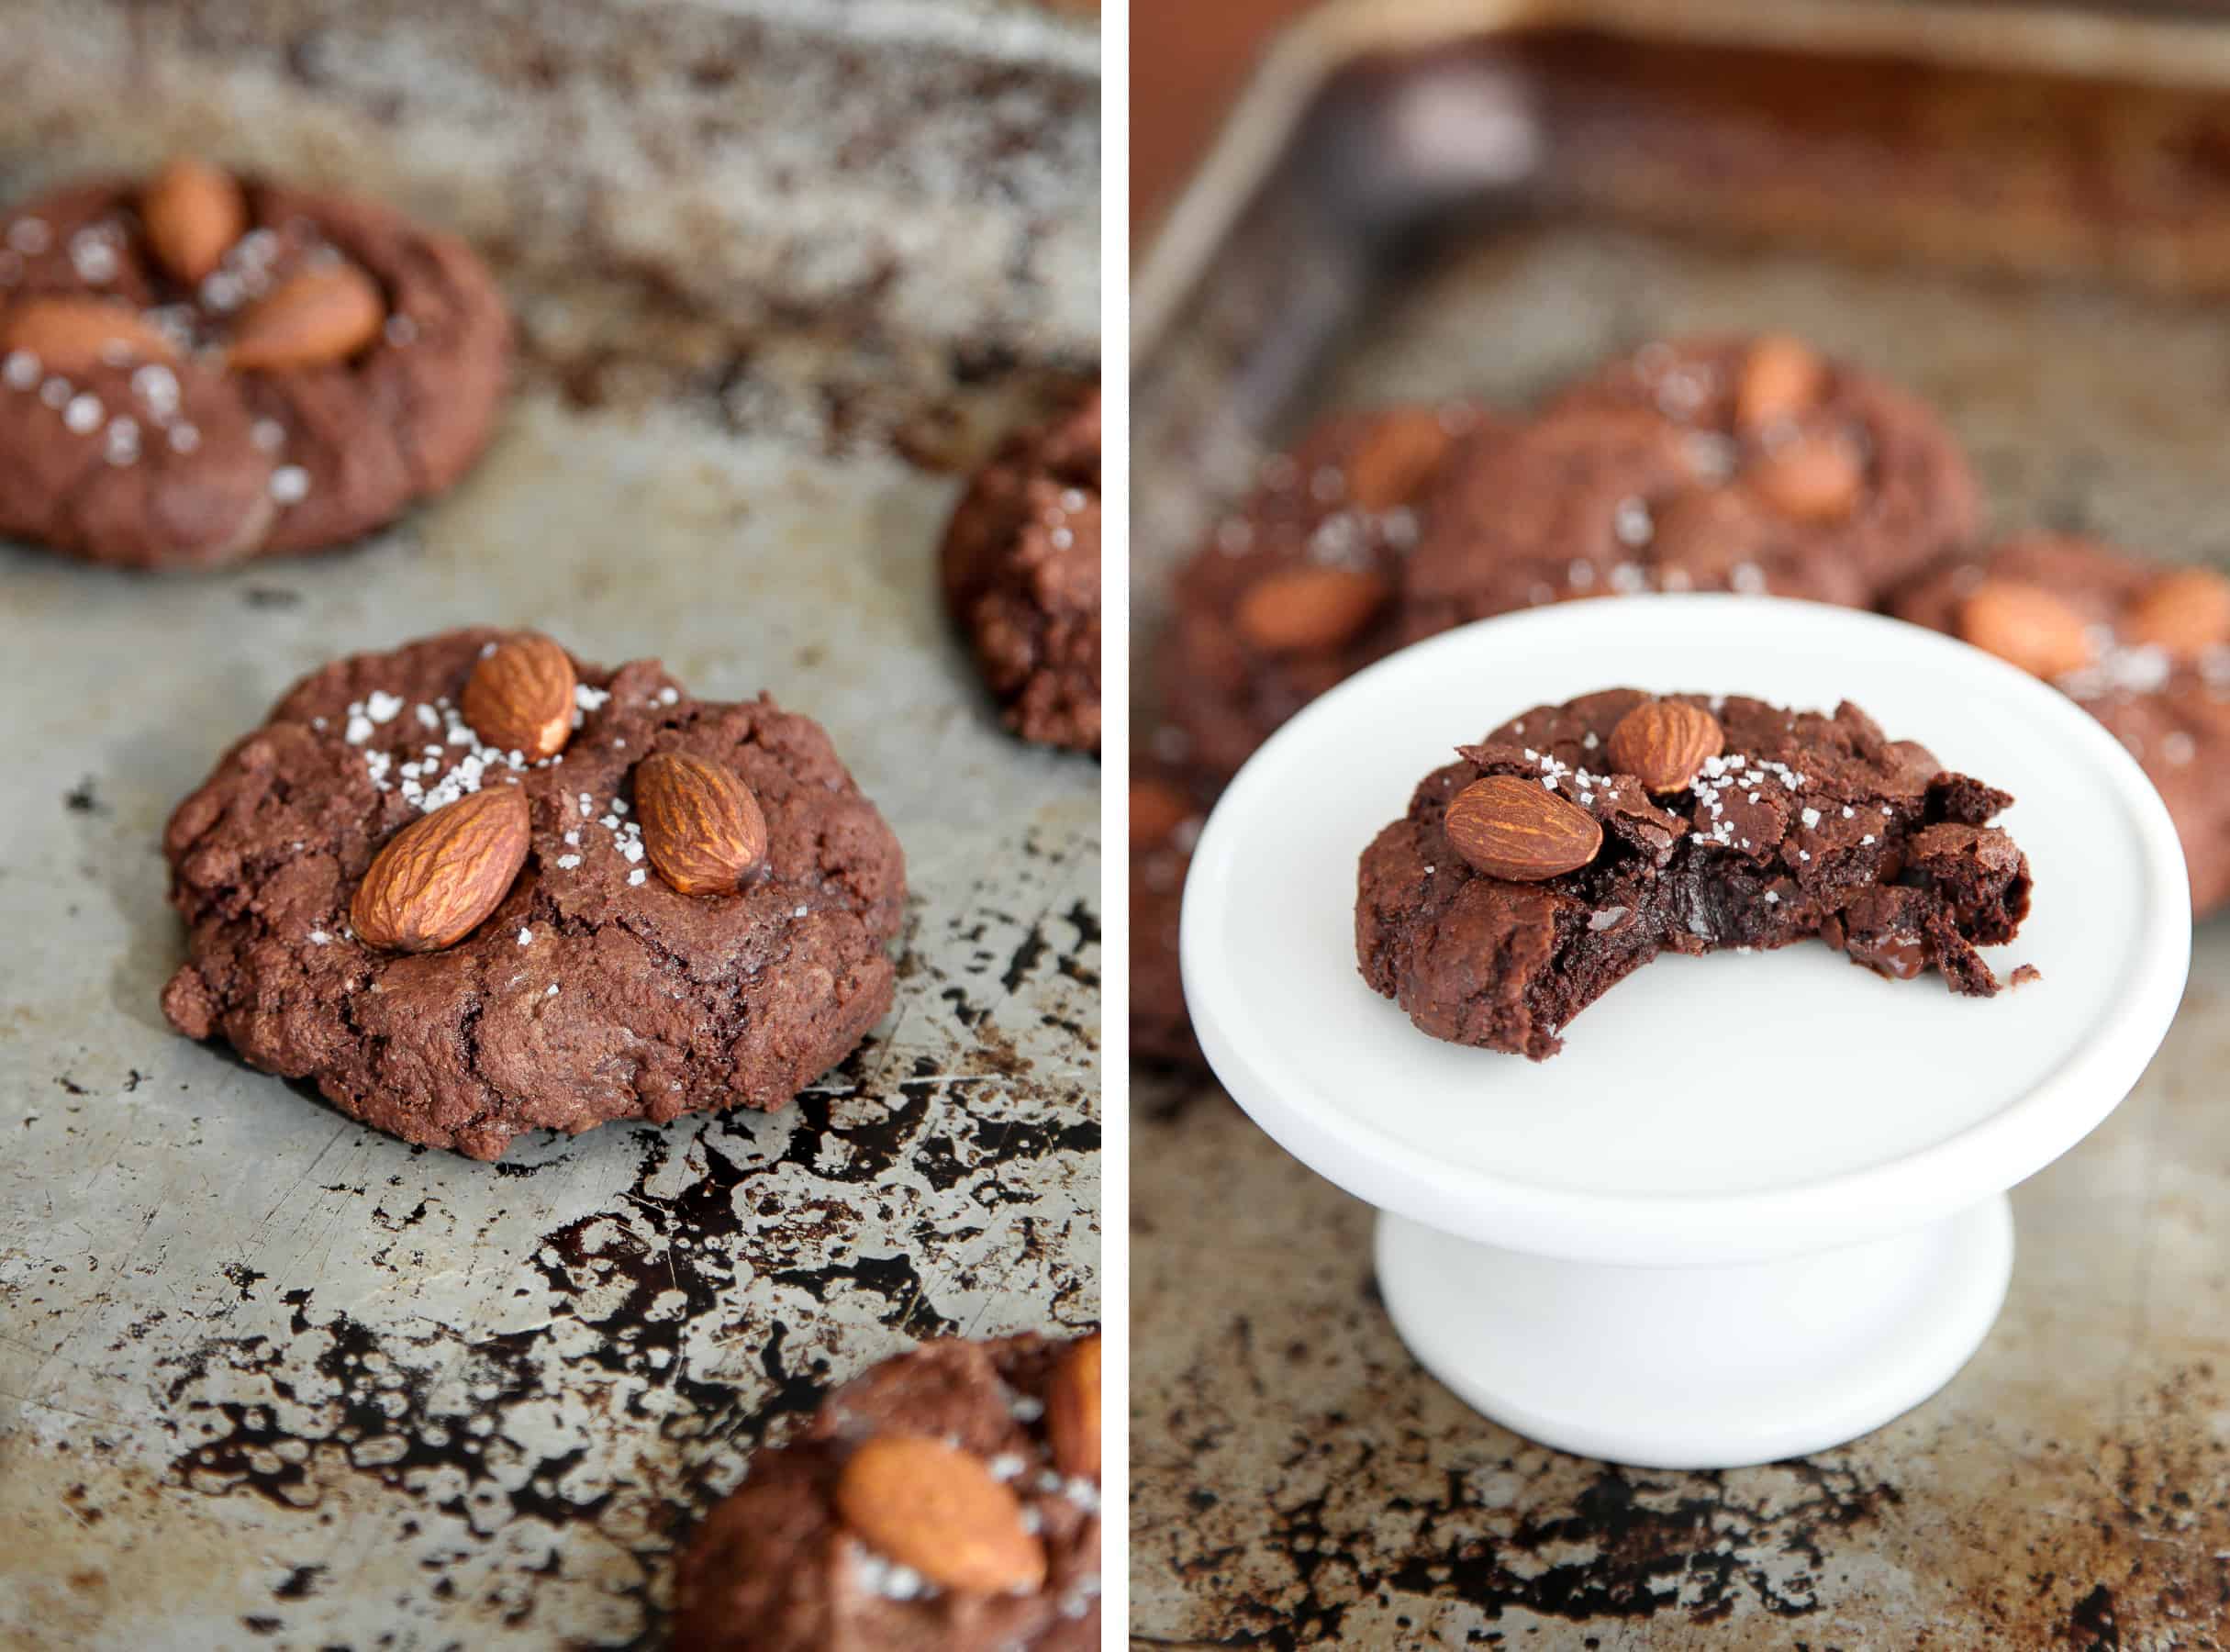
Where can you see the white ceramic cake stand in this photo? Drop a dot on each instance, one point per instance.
(1757, 1207)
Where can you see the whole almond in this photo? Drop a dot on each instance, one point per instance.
(701, 826)
(74, 335)
(2184, 615)
(192, 213)
(1392, 461)
(1298, 610)
(937, 1509)
(1781, 377)
(1072, 1411)
(325, 314)
(1663, 742)
(2027, 625)
(1512, 828)
(520, 698)
(1158, 809)
(439, 878)
(1814, 476)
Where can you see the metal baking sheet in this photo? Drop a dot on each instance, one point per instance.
(271, 1378)
(1297, 1479)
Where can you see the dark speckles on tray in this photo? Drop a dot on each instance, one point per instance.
(645, 1342)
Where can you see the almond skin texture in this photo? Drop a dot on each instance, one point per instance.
(1515, 829)
(1814, 477)
(1300, 610)
(2026, 625)
(2186, 614)
(701, 827)
(1158, 809)
(194, 213)
(936, 1508)
(520, 696)
(1396, 458)
(1071, 1411)
(1663, 743)
(322, 316)
(74, 335)
(439, 878)
(1780, 378)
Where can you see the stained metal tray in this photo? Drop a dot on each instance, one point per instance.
(271, 1378)
(2023, 215)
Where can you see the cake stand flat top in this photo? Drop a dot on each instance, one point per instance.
(1701, 1100)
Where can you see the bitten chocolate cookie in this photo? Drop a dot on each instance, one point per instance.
(1756, 467)
(1022, 577)
(1577, 843)
(1166, 812)
(1296, 590)
(2143, 646)
(197, 369)
(948, 1501)
(474, 887)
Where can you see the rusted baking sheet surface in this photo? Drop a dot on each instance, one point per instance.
(1297, 1479)
(269, 1378)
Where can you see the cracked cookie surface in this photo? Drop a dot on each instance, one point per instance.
(595, 991)
(179, 460)
(776, 1568)
(1021, 567)
(1801, 825)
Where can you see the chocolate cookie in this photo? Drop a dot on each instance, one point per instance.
(1755, 466)
(1296, 590)
(1022, 577)
(948, 1501)
(473, 888)
(196, 370)
(2143, 646)
(1166, 812)
(1578, 841)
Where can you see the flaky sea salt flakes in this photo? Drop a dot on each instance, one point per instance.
(183, 438)
(92, 258)
(268, 434)
(290, 484)
(637, 875)
(123, 440)
(1810, 817)
(526, 936)
(553, 992)
(222, 290)
(667, 696)
(1631, 522)
(359, 730)
(156, 385)
(20, 371)
(56, 393)
(319, 938)
(1747, 578)
(29, 236)
(83, 415)
(799, 912)
(381, 706)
